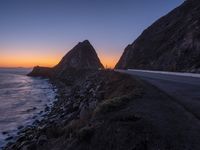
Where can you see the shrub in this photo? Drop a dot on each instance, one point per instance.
(110, 105)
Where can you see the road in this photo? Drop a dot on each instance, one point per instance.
(177, 118)
(184, 88)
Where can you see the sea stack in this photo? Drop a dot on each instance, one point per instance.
(82, 57)
(172, 43)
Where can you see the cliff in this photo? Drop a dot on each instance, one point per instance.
(172, 43)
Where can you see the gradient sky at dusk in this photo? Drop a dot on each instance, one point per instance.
(40, 32)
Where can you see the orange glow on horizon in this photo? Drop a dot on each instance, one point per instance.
(31, 60)
(28, 61)
(108, 61)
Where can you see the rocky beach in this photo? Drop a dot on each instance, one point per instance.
(81, 111)
(23, 100)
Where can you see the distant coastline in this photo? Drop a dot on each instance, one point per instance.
(16, 67)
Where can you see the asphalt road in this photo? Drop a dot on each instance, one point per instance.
(173, 107)
(184, 88)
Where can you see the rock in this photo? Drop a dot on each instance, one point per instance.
(92, 91)
(75, 105)
(84, 113)
(86, 133)
(100, 95)
(40, 112)
(21, 138)
(41, 127)
(31, 146)
(31, 109)
(172, 43)
(82, 57)
(92, 104)
(26, 147)
(9, 138)
(41, 71)
(81, 104)
(34, 117)
(5, 132)
(47, 109)
(24, 143)
(42, 140)
(36, 121)
(20, 127)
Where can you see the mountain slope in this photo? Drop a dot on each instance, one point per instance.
(172, 43)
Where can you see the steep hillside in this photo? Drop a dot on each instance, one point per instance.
(172, 43)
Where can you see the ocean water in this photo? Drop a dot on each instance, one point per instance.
(22, 101)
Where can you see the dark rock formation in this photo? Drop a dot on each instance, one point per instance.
(41, 71)
(172, 43)
(82, 57)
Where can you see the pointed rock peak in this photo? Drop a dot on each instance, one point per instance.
(86, 42)
(85, 45)
(82, 56)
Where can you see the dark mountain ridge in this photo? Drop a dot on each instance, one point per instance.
(172, 43)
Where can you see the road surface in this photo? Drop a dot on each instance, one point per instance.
(184, 88)
(177, 118)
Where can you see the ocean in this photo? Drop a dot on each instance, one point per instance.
(22, 101)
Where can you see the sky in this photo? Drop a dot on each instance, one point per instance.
(41, 32)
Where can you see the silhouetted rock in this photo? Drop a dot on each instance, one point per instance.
(82, 57)
(172, 43)
(41, 71)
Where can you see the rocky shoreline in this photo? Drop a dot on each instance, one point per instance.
(111, 111)
(78, 111)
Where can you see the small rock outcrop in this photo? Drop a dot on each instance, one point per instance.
(82, 57)
(41, 71)
(172, 43)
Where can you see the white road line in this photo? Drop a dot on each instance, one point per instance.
(195, 75)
